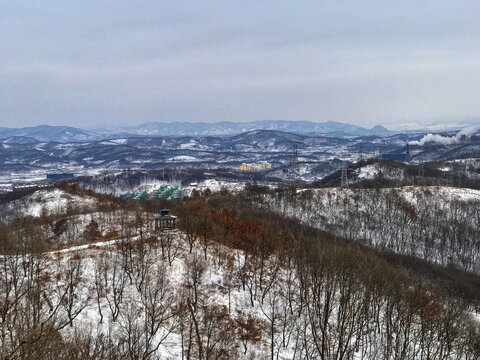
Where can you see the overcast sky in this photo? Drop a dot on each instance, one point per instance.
(105, 63)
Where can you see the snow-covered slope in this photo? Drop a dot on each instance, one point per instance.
(50, 201)
(152, 295)
(136, 293)
(438, 224)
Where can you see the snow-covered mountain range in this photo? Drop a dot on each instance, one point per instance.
(50, 133)
(179, 129)
(226, 128)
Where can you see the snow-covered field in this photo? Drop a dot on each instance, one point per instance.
(8, 180)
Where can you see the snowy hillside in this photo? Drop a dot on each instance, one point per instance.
(50, 201)
(225, 286)
(168, 281)
(438, 224)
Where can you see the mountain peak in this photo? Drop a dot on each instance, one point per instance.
(380, 130)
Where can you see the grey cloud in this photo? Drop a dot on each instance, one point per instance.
(122, 62)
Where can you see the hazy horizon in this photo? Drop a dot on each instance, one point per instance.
(120, 63)
(440, 126)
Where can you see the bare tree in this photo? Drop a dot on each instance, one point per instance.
(70, 283)
(195, 271)
(158, 307)
(114, 279)
(249, 330)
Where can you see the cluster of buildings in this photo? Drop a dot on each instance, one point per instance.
(262, 165)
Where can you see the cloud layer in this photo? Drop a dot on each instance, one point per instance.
(94, 64)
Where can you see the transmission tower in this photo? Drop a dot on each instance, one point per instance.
(450, 180)
(294, 162)
(295, 156)
(344, 178)
(466, 173)
(421, 172)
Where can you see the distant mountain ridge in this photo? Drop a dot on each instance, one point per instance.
(226, 128)
(50, 133)
(178, 129)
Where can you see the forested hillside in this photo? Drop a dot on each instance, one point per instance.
(235, 281)
(437, 224)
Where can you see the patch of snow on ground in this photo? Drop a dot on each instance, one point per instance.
(183, 158)
(119, 141)
(215, 186)
(49, 202)
(368, 172)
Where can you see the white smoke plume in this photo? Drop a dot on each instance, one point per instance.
(447, 140)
